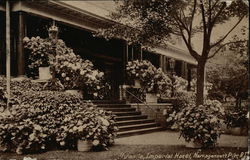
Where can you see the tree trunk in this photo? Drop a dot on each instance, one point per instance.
(200, 83)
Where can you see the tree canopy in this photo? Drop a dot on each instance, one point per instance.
(154, 22)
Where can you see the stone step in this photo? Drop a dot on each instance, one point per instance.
(133, 117)
(129, 113)
(136, 126)
(139, 121)
(108, 101)
(119, 109)
(113, 105)
(138, 131)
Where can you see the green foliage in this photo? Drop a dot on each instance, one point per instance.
(153, 80)
(72, 71)
(153, 22)
(40, 54)
(201, 124)
(229, 75)
(236, 116)
(40, 120)
(141, 22)
(44, 118)
(182, 99)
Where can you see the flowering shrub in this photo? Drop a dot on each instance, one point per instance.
(76, 73)
(89, 124)
(179, 83)
(21, 85)
(46, 117)
(40, 53)
(182, 100)
(153, 80)
(69, 68)
(201, 124)
(208, 86)
(163, 82)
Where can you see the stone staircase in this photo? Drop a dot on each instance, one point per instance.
(129, 121)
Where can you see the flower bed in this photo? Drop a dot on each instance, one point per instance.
(46, 117)
(52, 119)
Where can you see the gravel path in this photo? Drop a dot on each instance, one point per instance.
(172, 138)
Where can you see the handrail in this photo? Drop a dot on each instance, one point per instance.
(145, 103)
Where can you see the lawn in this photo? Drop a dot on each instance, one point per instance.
(138, 152)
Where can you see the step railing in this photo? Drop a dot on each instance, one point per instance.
(141, 101)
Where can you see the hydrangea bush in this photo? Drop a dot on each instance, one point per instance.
(43, 118)
(153, 80)
(72, 71)
(201, 124)
(40, 120)
(182, 100)
(76, 73)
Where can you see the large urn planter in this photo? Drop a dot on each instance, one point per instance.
(193, 145)
(75, 92)
(44, 73)
(84, 145)
(151, 98)
(137, 83)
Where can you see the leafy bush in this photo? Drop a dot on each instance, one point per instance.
(73, 71)
(53, 84)
(201, 124)
(153, 80)
(41, 119)
(3, 99)
(182, 100)
(236, 116)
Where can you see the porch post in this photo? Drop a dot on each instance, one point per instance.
(8, 50)
(20, 50)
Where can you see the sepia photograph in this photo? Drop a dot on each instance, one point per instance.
(124, 80)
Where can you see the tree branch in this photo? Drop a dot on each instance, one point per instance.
(191, 23)
(203, 17)
(212, 8)
(216, 16)
(216, 51)
(205, 35)
(189, 46)
(223, 38)
(181, 23)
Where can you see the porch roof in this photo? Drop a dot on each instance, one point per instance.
(89, 15)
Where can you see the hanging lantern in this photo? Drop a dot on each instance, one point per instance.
(53, 32)
(172, 63)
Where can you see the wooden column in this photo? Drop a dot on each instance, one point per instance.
(20, 50)
(8, 54)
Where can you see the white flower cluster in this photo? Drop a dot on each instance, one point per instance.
(153, 80)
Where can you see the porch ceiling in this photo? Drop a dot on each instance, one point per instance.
(63, 12)
(86, 16)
